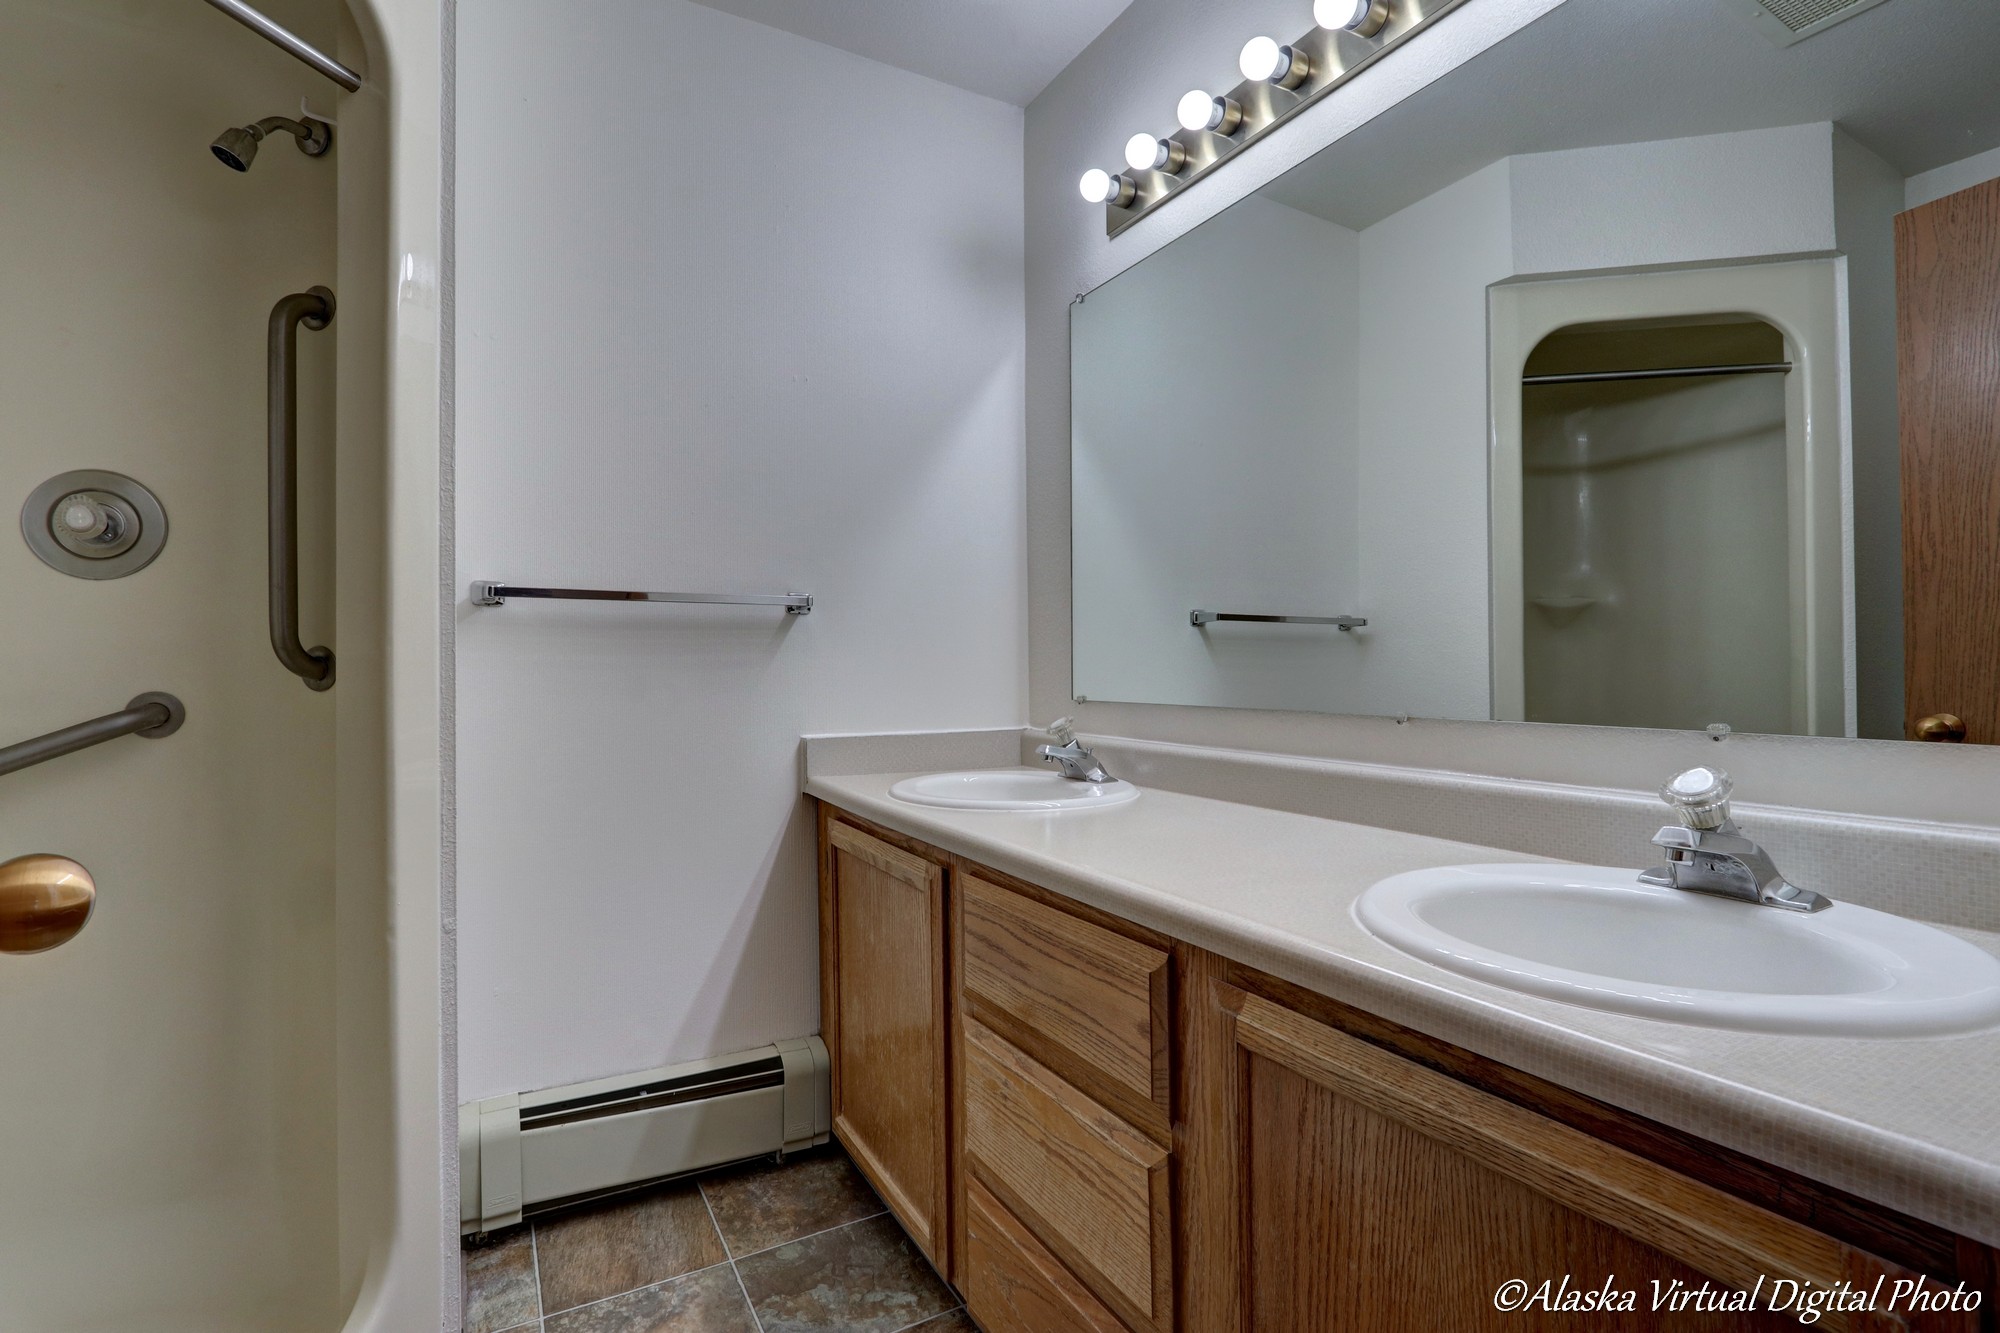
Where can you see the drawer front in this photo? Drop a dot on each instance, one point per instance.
(1091, 993)
(1091, 1187)
(1014, 1285)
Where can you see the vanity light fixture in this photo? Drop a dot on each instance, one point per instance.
(1264, 61)
(1201, 111)
(1279, 81)
(1363, 18)
(1143, 152)
(1101, 187)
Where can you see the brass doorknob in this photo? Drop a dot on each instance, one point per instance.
(44, 901)
(1941, 727)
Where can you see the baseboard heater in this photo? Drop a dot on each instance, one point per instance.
(528, 1153)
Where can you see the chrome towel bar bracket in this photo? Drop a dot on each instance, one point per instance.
(1200, 618)
(488, 593)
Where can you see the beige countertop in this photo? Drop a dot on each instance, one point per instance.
(1912, 1124)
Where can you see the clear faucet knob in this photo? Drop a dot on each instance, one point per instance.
(1700, 797)
(1060, 730)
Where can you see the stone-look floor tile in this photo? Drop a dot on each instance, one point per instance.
(866, 1276)
(958, 1321)
(710, 1301)
(618, 1247)
(499, 1283)
(765, 1205)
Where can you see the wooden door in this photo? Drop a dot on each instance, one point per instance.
(1332, 1185)
(1948, 390)
(882, 999)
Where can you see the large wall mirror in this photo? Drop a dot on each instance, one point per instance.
(1645, 371)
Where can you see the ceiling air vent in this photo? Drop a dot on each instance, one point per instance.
(1788, 21)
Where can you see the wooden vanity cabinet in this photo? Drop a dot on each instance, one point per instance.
(1089, 1126)
(1332, 1183)
(883, 1014)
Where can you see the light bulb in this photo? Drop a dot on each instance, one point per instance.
(1143, 152)
(1101, 187)
(1199, 111)
(1259, 60)
(1263, 59)
(1364, 18)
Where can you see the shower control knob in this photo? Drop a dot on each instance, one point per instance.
(92, 524)
(44, 901)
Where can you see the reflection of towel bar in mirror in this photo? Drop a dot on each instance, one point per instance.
(1200, 618)
(1663, 373)
(486, 593)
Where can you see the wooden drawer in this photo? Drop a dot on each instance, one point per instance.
(1089, 1186)
(1073, 989)
(1014, 1285)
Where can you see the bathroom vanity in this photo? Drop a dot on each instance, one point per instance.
(1092, 1111)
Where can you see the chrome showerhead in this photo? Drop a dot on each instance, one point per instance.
(236, 148)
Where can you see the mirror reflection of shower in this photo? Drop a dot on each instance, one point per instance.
(236, 147)
(1656, 542)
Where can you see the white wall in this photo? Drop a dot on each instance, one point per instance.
(1716, 197)
(1867, 195)
(1930, 186)
(714, 334)
(1199, 486)
(1425, 271)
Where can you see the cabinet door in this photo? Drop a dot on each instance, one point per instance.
(1333, 1185)
(882, 995)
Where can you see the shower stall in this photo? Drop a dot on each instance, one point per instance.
(218, 913)
(1669, 510)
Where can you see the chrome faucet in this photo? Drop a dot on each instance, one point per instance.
(1069, 754)
(1707, 853)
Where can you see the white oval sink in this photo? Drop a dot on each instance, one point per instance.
(1012, 789)
(1596, 936)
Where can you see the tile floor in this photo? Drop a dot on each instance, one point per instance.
(788, 1248)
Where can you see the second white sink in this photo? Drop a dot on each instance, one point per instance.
(1596, 936)
(1011, 789)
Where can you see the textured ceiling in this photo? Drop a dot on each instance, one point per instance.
(1008, 49)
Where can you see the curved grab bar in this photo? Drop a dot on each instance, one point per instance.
(314, 309)
(151, 716)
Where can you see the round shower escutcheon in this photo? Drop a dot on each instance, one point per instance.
(92, 524)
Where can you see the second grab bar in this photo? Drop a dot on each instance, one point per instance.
(150, 716)
(314, 309)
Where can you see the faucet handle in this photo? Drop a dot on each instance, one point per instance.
(1061, 731)
(1700, 797)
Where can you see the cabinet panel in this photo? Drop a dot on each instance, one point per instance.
(1014, 1285)
(883, 997)
(1367, 1191)
(1355, 1222)
(1091, 993)
(1089, 1185)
